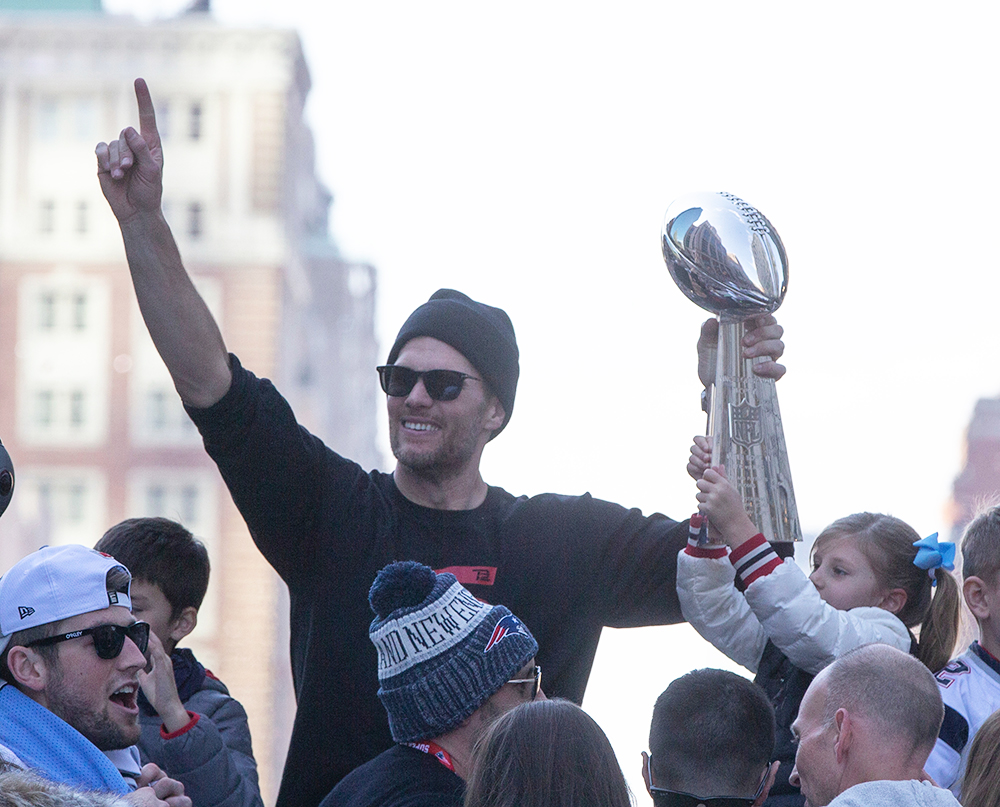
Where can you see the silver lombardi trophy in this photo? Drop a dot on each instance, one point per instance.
(728, 259)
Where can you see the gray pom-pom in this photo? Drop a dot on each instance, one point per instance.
(400, 585)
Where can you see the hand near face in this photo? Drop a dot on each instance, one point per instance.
(762, 338)
(160, 689)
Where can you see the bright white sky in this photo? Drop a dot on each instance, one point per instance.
(526, 153)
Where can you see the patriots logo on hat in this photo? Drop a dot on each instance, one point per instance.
(507, 626)
(25, 611)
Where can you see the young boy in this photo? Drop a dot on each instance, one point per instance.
(191, 727)
(970, 684)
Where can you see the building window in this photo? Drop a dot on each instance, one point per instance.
(155, 500)
(195, 121)
(48, 119)
(81, 217)
(79, 311)
(45, 497)
(163, 119)
(47, 311)
(43, 408)
(76, 408)
(189, 504)
(47, 217)
(76, 500)
(85, 119)
(58, 506)
(157, 410)
(186, 495)
(195, 223)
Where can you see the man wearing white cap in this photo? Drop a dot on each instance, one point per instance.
(70, 654)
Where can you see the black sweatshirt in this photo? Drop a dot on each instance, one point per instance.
(565, 565)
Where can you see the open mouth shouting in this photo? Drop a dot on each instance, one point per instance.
(126, 697)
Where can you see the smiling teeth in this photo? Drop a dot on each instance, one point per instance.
(128, 689)
(419, 427)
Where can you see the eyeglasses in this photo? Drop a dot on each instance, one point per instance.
(676, 798)
(441, 385)
(108, 639)
(536, 679)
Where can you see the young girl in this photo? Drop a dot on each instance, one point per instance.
(865, 587)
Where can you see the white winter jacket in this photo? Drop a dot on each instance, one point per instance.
(783, 606)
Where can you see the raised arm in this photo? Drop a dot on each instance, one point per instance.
(130, 170)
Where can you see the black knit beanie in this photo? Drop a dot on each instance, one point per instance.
(481, 333)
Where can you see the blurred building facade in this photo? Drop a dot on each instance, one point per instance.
(87, 409)
(978, 484)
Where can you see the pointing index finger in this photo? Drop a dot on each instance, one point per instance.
(147, 116)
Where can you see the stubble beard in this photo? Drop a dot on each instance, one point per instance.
(98, 727)
(447, 460)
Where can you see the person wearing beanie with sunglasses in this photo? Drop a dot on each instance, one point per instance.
(569, 564)
(70, 656)
(448, 666)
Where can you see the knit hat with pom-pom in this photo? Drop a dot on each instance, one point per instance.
(441, 652)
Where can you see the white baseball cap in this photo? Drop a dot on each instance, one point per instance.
(54, 583)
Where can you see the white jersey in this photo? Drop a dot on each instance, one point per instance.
(970, 689)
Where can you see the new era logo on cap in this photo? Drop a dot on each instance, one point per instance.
(25, 611)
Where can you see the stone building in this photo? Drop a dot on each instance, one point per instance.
(87, 409)
(978, 484)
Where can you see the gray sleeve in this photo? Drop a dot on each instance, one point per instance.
(213, 758)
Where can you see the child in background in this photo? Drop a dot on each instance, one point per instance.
(970, 685)
(981, 780)
(872, 580)
(191, 726)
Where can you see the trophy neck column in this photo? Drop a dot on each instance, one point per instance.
(745, 428)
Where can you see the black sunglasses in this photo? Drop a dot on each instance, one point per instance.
(108, 639)
(441, 385)
(677, 798)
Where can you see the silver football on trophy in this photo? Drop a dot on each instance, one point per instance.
(724, 255)
(727, 258)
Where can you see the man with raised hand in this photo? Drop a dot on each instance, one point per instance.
(70, 656)
(568, 565)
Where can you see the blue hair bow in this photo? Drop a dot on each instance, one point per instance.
(933, 554)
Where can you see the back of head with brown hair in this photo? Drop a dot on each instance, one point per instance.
(163, 552)
(546, 754)
(887, 544)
